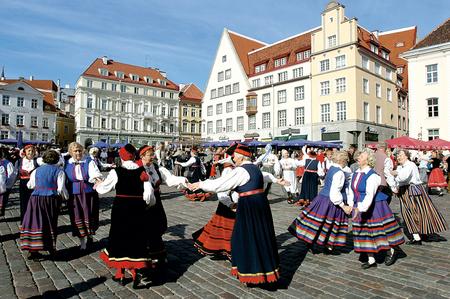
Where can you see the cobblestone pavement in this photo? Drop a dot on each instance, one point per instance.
(424, 273)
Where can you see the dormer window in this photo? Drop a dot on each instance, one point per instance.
(163, 82)
(148, 79)
(374, 48)
(134, 77)
(260, 68)
(120, 75)
(400, 44)
(103, 72)
(385, 54)
(280, 61)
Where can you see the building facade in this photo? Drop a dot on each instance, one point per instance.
(28, 106)
(333, 82)
(429, 88)
(190, 114)
(65, 129)
(118, 102)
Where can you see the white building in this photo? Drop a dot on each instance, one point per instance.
(120, 102)
(429, 85)
(27, 106)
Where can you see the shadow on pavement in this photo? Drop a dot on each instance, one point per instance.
(74, 290)
(291, 258)
(72, 253)
(178, 230)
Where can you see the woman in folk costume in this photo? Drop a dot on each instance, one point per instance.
(155, 215)
(436, 179)
(83, 202)
(254, 254)
(310, 182)
(93, 156)
(374, 226)
(128, 235)
(324, 221)
(288, 167)
(196, 170)
(25, 166)
(40, 222)
(418, 211)
(10, 178)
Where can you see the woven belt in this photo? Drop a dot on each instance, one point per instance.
(129, 196)
(312, 171)
(253, 192)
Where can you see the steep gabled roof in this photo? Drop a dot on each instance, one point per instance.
(46, 87)
(191, 92)
(440, 35)
(243, 45)
(365, 38)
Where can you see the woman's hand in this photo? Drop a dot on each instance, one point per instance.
(355, 213)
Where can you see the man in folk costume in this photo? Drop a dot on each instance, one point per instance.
(83, 204)
(10, 179)
(254, 253)
(383, 167)
(25, 166)
(268, 162)
(128, 235)
(196, 170)
(310, 181)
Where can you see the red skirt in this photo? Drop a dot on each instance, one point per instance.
(437, 178)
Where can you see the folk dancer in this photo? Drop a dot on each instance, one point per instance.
(383, 167)
(269, 162)
(310, 181)
(10, 179)
(437, 179)
(288, 166)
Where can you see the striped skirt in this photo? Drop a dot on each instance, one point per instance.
(418, 211)
(215, 237)
(376, 229)
(84, 213)
(321, 222)
(40, 223)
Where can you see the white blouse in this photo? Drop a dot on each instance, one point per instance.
(408, 173)
(372, 184)
(61, 182)
(93, 171)
(2, 180)
(12, 174)
(338, 181)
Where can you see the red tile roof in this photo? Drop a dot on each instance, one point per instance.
(243, 45)
(440, 35)
(399, 41)
(127, 69)
(288, 47)
(191, 92)
(46, 87)
(365, 38)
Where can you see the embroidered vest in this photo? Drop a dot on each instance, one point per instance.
(78, 186)
(46, 181)
(256, 179)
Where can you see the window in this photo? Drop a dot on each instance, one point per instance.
(5, 100)
(155, 110)
(34, 121)
(123, 107)
(266, 99)
(299, 93)
(324, 65)
(172, 111)
(366, 86)
(252, 122)
(404, 123)
(266, 120)
(236, 87)
(114, 87)
(388, 74)
(282, 118)
(193, 112)
(325, 114)
(260, 68)
(34, 103)
(268, 80)
(103, 123)
(89, 103)
(324, 88)
(213, 93)
(171, 128)
(209, 127)
(229, 125)
(280, 61)
(209, 110)
(227, 90)
(340, 85)
(155, 93)
(5, 119)
(136, 125)
(220, 76)
(299, 56)
(281, 96)
(66, 129)
(163, 94)
(341, 110)
(136, 90)
(220, 91)
(219, 109)
(299, 116)
(185, 110)
(378, 116)
(400, 70)
(104, 104)
(104, 85)
(45, 123)
(228, 74)
(136, 108)
(120, 75)
(332, 41)
(385, 55)
(89, 83)
(433, 107)
(432, 73)
(365, 62)
(193, 129)
(377, 68)
(219, 128)
(240, 105)
(19, 101)
(224, 58)
(433, 134)
(4, 135)
(374, 48)
(134, 77)
(306, 54)
(366, 111)
(33, 136)
(229, 107)
(113, 123)
(170, 95)
(340, 61)
(240, 123)
(298, 72)
(378, 90)
(389, 94)
(123, 124)
(123, 88)
(283, 76)
(89, 122)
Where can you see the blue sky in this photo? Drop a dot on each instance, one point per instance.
(59, 39)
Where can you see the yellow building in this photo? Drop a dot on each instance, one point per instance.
(190, 114)
(354, 83)
(65, 129)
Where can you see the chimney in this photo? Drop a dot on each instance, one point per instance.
(376, 33)
(105, 60)
(31, 78)
(2, 76)
(181, 85)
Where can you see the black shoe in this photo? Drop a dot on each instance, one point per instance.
(139, 283)
(366, 266)
(391, 259)
(34, 256)
(414, 242)
(441, 193)
(122, 281)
